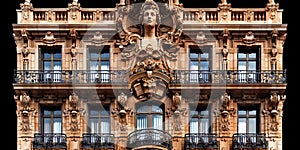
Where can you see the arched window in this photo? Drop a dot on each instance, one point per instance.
(149, 114)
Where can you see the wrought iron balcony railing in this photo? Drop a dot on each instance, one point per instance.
(249, 141)
(96, 141)
(149, 137)
(49, 140)
(200, 141)
(180, 77)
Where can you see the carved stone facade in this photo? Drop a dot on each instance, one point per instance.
(150, 74)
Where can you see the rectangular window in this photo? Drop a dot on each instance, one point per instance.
(248, 119)
(200, 121)
(99, 63)
(99, 119)
(200, 63)
(52, 119)
(248, 63)
(51, 63)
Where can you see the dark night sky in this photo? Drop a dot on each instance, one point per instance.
(8, 12)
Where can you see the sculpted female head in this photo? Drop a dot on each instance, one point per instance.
(149, 13)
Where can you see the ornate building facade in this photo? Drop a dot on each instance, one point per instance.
(149, 75)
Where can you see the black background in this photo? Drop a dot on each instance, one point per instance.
(8, 58)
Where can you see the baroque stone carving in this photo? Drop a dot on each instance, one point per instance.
(149, 38)
(49, 38)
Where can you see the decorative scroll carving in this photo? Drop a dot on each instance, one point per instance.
(72, 112)
(73, 7)
(224, 9)
(249, 38)
(98, 39)
(200, 15)
(25, 112)
(176, 99)
(249, 15)
(26, 7)
(122, 111)
(274, 35)
(272, 8)
(226, 112)
(273, 108)
(273, 102)
(25, 102)
(149, 43)
(225, 35)
(200, 38)
(49, 38)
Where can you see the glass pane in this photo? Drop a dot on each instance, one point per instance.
(93, 65)
(242, 126)
(204, 113)
(252, 112)
(57, 125)
(46, 55)
(47, 125)
(57, 112)
(105, 55)
(105, 125)
(204, 65)
(194, 65)
(241, 55)
(57, 55)
(156, 109)
(104, 65)
(142, 109)
(204, 55)
(94, 56)
(47, 112)
(94, 112)
(194, 55)
(252, 55)
(47, 65)
(193, 113)
(157, 122)
(252, 125)
(142, 122)
(57, 65)
(242, 112)
(252, 65)
(94, 125)
(242, 65)
(204, 125)
(194, 125)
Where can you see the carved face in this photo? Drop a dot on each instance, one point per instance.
(149, 17)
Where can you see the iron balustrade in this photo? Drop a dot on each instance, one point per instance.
(249, 141)
(178, 76)
(144, 137)
(96, 141)
(49, 140)
(200, 141)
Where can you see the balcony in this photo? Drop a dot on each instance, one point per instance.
(249, 141)
(200, 141)
(109, 15)
(189, 77)
(149, 137)
(49, 140)
(97, 141)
